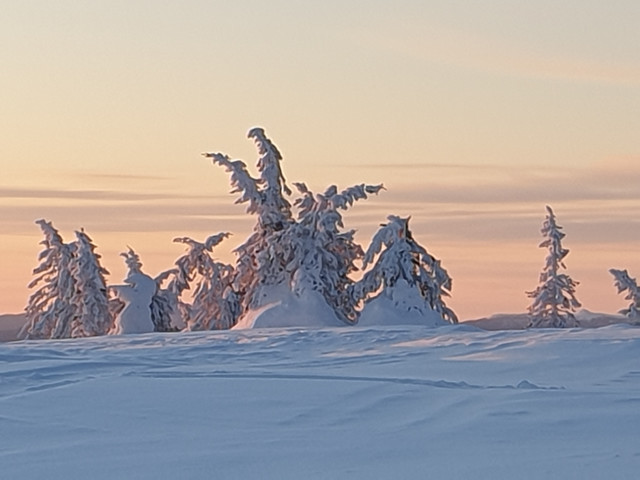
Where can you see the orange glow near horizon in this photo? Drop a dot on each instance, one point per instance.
(474, 117)
(489, 276)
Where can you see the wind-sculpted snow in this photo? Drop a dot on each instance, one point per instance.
(393, 402)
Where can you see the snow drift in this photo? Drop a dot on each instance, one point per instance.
(399, 305)
(281, 308)
(397, 402)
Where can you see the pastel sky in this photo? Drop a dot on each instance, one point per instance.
(475, 115)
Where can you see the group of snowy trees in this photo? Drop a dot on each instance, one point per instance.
(554, 300)
(299, 261)
(70, 299)
(295, 269)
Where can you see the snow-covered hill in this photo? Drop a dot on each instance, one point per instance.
(520, 321)
(10, 325)
(453, 402)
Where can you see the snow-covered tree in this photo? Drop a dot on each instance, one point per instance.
(71, 300)
(554, 300)
(164, 303)
(164, 306)
(266, 195)
(325, 255)
(274, 187)
(624, 282)
(263, 256)
(213, 302)
(135, 296)
(50, 308)
(90, 299)
(285, 257)
(405, 277)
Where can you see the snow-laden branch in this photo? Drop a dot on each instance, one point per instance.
(624, 282)
(241, 181)
(269, 165)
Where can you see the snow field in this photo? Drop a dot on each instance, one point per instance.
(403, 402)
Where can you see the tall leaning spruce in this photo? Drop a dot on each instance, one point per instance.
(554, 299)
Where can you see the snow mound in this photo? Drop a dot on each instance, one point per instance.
(399, 305)
(281, 308)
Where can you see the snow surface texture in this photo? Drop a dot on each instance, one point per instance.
(398, 402)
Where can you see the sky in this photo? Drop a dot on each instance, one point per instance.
(475, 115)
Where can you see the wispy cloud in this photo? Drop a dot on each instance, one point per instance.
(475, 203)
(614, 179)
(120, 177)
(116, 211)
(599, 205)
(132, 217)
(465, 49)
(421, 166)
(92, 195)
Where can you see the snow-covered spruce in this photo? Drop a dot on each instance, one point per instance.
(326, 255)
(288, 265)
(71, 299)
(135, 297)
(50, 308)
(624, 282)
(90, 300)
(263, 256)
(409, 282)
(213, 302)
(554, 300)
(164, 311)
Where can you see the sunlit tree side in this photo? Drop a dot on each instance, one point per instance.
(50, 306)
(554, 301)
